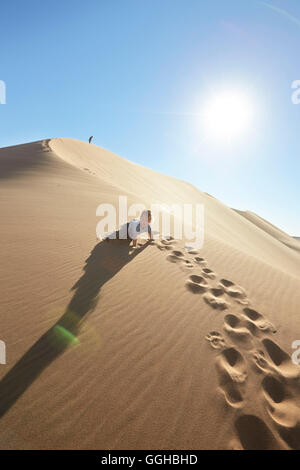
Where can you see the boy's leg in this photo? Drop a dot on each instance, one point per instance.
(150, 233)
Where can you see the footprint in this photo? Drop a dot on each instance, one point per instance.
(226, 283)
(237, 364)
(282, 409)
(208, 273)
(187, 264)
(183, 263)
(232, 372)
(173, 259)
(230, 390)
(196, 288)
(162, 247)
(215, 302)
(261, 361)
(165, 246)
(254, 434)
(258, 322)
(235, 291)
(274, 389)
(217, 291)
(198, 279)
(278, 362)
(234, 326)
(197, 284)
(167, 242)
(281, 360)
(216, 340)
(200, 261)
(291, 436)
(177, 253)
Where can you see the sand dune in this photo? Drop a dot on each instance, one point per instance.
(271, 229)
(159, 347)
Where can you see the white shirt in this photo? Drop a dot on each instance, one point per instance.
(135, 228)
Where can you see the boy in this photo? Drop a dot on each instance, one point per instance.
(135, 227)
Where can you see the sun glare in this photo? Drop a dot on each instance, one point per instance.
(227, 116)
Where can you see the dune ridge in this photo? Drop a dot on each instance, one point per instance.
(155, 348)
(271, 229)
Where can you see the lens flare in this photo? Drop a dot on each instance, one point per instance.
(64, 336)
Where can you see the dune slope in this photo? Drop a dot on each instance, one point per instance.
(109, 347)
(271, 229)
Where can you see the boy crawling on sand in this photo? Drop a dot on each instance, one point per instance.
(133, 229)
(136, 227)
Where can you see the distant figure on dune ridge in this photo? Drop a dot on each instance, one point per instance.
(90, 139)
(131, 230)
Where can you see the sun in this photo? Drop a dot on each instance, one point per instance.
(227, 115)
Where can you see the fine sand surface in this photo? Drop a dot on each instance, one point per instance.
(158, 347)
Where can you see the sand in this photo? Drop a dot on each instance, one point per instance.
(159, 347)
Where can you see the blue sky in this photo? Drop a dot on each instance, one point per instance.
(137, 74)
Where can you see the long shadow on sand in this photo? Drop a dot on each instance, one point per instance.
(105, 260)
